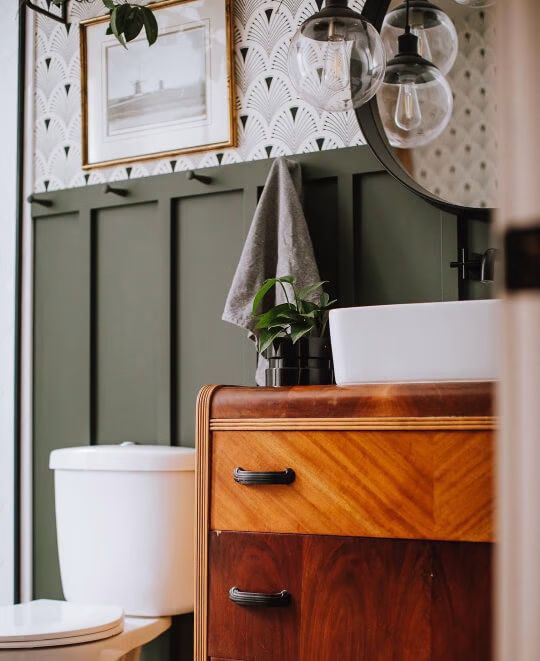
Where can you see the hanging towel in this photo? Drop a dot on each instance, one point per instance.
(278, 244)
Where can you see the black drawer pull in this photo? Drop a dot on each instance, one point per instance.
(276, 599)
(264, 477)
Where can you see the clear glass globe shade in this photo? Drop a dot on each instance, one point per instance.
(437, 37)
(415, 104)
(336, 64)
(476, 4)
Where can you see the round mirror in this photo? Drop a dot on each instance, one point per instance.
(456, 167)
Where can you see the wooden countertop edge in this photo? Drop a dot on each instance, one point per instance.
(434, 537)
(485, 423)
(463, 400)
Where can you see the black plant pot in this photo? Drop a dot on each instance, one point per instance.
(308, 362)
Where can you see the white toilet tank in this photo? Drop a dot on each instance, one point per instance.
(125, 526)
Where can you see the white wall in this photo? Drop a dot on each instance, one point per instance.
(8, 189)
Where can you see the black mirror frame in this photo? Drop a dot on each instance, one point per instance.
(371, 126)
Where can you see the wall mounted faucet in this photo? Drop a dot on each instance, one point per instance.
(479, 267)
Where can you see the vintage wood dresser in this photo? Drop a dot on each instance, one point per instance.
(345, 524)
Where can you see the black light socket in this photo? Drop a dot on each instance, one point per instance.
(336, 9)
(408, 43)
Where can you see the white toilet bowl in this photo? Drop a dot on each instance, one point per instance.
(125, 529)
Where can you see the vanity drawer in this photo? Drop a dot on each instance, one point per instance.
(421, 484)
(350, 599)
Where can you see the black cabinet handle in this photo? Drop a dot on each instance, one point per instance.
(276, 599)
(265, 477)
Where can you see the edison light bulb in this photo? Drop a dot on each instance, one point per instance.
(336, 75)
(415, 99)
(424, 49)
(408, 115)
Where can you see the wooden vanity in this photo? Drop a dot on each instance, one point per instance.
(345, 523)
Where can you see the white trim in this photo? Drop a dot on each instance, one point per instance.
(26, 385)
(9, 56)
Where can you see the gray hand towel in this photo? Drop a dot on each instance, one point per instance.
(278, 244)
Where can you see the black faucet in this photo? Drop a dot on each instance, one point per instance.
(480, 267)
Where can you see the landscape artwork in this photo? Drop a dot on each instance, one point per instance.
(173, 97)
(158, 86)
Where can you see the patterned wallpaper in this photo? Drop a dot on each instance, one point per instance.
(272, 121)
(461, 165)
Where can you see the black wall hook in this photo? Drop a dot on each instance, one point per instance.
(32, 199)
(199, 177)
(122, 192)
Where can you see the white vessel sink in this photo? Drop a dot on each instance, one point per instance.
(454, 341)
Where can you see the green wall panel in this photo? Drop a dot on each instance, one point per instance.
(403, 245)
(210, 232)
(131, 325)
(320, 204)
(61, 372)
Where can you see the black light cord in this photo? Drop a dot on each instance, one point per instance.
(407, 24)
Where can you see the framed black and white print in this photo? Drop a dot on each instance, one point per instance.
(174, 97)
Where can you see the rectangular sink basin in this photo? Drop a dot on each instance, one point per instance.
(455, 341)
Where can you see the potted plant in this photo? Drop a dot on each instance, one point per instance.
(293, 335)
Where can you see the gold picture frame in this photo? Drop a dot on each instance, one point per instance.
(231, 140)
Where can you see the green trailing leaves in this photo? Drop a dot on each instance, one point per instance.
(296, 318)
(127, 20)
(150, 26)
(118, 16)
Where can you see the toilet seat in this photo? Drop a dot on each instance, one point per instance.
(123, 647)
(48, 623)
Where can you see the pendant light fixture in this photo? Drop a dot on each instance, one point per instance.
(437, 36)
(415, 99)
(336, 59)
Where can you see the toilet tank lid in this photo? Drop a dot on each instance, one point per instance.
(124, 457)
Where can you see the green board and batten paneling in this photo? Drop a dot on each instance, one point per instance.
(129, 293)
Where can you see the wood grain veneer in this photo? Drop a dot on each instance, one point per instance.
(258, 563)
(463, 399)
(401, 484)
(352, 599)
(401, 460)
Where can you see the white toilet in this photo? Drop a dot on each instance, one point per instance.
(124, 522)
